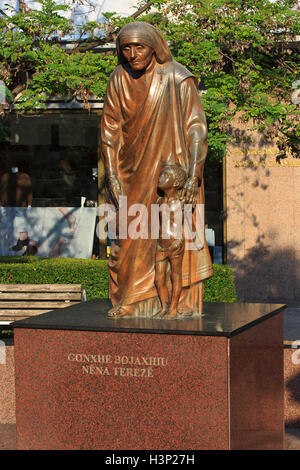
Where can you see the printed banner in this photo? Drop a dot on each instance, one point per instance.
(66, 232)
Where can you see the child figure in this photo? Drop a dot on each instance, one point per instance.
(170, 245)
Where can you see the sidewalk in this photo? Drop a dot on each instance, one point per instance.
(8, 437)
(292, 439)
(292, 325)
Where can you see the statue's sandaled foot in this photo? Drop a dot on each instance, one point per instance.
(161, 313)
(120, 311)
(113, 310)
(171, 314)
(184, 312)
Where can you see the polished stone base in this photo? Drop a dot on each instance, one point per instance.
(86, 382)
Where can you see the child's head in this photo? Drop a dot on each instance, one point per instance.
(171, 176)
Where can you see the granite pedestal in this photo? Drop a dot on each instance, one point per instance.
(84, 381)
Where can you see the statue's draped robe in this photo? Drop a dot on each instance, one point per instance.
(146, 122)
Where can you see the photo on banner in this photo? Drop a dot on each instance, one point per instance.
(66, 232)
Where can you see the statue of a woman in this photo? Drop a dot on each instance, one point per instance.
(152, 115)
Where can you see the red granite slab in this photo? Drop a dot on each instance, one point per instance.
(211, 384)
(257, 387)
(175, 398)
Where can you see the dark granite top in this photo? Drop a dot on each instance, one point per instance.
(219, 319)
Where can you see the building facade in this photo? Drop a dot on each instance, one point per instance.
(262, 231)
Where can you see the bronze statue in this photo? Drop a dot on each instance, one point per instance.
(171, 242)
(152, 116)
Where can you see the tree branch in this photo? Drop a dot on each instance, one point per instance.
(18, 89)
(141, 10)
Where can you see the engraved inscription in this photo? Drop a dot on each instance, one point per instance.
(128, 372)
(263, 163)
(117, 365)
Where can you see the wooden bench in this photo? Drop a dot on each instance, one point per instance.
(18, 301)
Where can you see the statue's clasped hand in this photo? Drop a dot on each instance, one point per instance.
(189, 191)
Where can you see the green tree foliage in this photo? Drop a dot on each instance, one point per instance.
(243, 53)
(34, 62)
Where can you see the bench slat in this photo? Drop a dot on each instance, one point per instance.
(21, 312)
(40, 287)
(7, 320)
(33, 305)
(19, 301)
(40, 296)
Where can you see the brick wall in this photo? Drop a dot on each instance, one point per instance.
(263, 221)
(7, 384)
(292, 387)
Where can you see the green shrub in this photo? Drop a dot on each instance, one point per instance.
(93, 276)
(221, 287)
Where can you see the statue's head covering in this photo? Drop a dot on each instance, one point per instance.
(146, 34)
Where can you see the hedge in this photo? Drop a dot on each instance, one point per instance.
(221, 287)
(93, 276)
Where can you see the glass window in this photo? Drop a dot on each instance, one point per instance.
(50, 161)
(213, 183)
